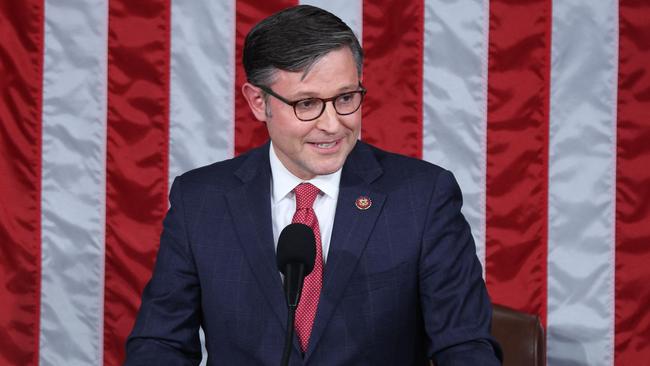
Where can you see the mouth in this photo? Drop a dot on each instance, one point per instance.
(326, 146)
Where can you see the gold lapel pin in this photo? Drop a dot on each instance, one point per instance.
(363, 203)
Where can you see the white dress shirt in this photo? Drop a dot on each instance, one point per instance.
(283, 200)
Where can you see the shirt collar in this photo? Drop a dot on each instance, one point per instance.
(283, 181)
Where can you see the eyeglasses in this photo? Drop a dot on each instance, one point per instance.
(309, 109)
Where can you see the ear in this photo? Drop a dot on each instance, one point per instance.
(255, 98)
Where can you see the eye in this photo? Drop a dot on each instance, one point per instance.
(345, 98)
(308, 104)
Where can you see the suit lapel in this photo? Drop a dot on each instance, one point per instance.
(250, 206)
(350, 233)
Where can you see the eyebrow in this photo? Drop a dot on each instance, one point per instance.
(310, 94)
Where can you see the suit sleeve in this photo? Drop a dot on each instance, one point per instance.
(167, 325)
(455, 305)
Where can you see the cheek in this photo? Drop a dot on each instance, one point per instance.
(353, 123)
(287, 134)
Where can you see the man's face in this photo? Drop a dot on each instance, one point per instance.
(320, 146)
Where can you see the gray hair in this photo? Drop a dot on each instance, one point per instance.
(294, 39)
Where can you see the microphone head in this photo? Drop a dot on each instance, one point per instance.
(296, 245)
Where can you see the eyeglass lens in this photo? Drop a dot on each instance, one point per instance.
(312, 108)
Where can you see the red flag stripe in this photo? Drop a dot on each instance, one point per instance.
(137, 158)
(517, 153)
(249, 133)
(393, 34)
(632, 321)
(21, 69)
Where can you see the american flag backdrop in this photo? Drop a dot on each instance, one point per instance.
(541, 108)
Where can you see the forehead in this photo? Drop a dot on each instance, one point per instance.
(334, 71)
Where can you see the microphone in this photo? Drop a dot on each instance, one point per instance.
(295, 256)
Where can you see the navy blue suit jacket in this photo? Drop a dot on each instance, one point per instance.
(402, 283)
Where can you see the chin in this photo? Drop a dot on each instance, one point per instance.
(328, 169)
(320, 165)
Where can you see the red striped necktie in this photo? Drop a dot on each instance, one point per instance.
(306, 194)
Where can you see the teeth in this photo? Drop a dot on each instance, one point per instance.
(327, 145)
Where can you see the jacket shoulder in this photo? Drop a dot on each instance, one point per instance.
(223, 174)
(406, 167)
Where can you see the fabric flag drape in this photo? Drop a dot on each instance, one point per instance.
(541, 108)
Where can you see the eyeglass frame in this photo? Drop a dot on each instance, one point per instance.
(293, 104)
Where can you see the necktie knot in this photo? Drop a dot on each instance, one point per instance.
(305, 195)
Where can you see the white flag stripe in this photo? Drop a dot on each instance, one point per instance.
(202, 88)
(582, 166)
(73, 182)
(202, 84)
(455, 101)
(350, 11)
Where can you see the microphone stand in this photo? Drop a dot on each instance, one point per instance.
(293, 282)
(288, 336)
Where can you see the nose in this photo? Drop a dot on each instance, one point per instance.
(329, 120)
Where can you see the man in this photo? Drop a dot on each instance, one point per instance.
(396, 280)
